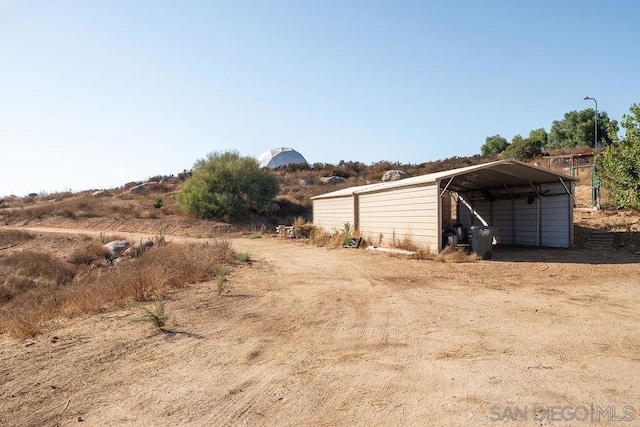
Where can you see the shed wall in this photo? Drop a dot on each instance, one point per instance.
(556, 213)
(410, 212)
(524, 220)
(331, 214)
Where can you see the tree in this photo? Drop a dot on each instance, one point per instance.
(494, 145)
(225, 185)
(516, 138)
(540, 135)
(619, 165)
(524, 149)
(577, 127)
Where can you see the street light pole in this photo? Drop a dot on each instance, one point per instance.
(595, 186)
(595, 134)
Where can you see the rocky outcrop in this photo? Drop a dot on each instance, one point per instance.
(332, 180)
(137, 250)
(116, 248)
(142, 188)
(101, 193)
(394, 175)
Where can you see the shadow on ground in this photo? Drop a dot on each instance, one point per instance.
(572, 256)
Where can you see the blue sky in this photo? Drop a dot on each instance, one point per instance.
(94, 94)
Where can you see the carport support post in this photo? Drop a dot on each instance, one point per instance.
(356, 212)
(539, 219)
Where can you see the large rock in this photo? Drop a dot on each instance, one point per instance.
(394, 175)
(138, 189)
(332, 180)
(116, 248)
(143, 188)
(137, 250)
(101, 193)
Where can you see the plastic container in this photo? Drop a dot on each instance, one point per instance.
(481, 241)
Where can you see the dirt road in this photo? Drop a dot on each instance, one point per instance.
(318, 336)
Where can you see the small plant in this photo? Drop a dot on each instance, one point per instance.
(302, 228)
(158, 203)
(221, 279)
(244, 257)
(453, 254)
(405, 242)
(346, 234)
(160, 239)
(299, 222)
(255, 233)
(89, 254)
(157, 316)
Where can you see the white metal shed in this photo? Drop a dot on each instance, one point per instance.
(526, 205)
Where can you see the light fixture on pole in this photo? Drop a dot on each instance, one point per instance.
(595, 133)
(595, 184)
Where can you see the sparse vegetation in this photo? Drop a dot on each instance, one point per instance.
(12, 237)
(158, 315)
(158, 203)
(405, 242)
(221, 279)
(36, 288)
(91, 253)
(244, 257)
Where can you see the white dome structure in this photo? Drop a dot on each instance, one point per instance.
(281, 156)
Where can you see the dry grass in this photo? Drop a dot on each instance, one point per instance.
(93, 253)
(13, 237)
(455, 254)
(120, 205)
(405, 242)
(38, 289)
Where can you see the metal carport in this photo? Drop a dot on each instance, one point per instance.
(525, 204)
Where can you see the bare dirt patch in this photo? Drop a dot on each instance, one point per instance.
(319, 336)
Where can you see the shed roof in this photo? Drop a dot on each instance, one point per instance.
(484, 176)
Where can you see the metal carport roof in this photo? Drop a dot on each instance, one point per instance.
(484, 176)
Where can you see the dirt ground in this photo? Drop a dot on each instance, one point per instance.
(326, 336)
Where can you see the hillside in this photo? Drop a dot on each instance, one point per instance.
(134, 206)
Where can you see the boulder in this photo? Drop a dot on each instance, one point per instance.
(332, 180)
(101, 193)
(137, 250)
(394, 175)
(138, 189)
(142, 188)
(116, 248)
(305, 182)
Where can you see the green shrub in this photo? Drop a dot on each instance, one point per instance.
(226, 185)
(619, 166)
(523, 149)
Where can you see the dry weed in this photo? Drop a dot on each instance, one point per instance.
(40, 288)
(455, 254)
(406, 243)
(92, 253)
(12, 237)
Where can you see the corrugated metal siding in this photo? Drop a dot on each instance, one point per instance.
(502, 222)
(526, 222)
(498, 215)
(404, 212)
(547, 221)
(331, 214)
(556, 214)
